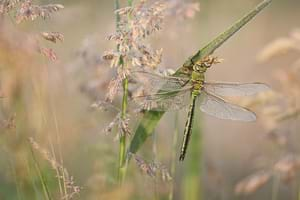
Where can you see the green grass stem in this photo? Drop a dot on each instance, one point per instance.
(41, 176)
(193, 170)
(122, 144)
(174, 157)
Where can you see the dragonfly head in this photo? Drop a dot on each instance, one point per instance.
(200, 68)
(202, 65)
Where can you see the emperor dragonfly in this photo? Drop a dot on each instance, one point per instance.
(169, 92)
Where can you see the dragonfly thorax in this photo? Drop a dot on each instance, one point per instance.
(197, 80)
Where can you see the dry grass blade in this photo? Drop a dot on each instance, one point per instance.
(71, 187)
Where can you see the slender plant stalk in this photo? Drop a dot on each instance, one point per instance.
(41, 176)
(122, 148)
(122, 153)
(57, 131)
(193, 173)
(18, 188)
(63, 188)
(298, 193)
(154, 152)
(56, 170)
(275, 187)
(122, 144)
(174, 158)
(30, 173)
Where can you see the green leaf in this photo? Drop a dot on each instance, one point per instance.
(150, 119)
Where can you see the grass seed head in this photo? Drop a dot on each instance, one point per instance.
(52, 36)
(252, 183)
(30, 11)
(152, 169)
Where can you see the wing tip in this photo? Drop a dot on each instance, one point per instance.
(265, 87)
(251, 117)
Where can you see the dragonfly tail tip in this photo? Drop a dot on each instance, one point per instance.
(181, 158)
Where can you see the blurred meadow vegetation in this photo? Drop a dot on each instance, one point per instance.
(59, 140)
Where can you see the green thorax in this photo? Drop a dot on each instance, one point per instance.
(197, 80)
(198, 73)
(198, 77)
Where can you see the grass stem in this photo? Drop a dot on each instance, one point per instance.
(174, 158)
(122, 147)
(41, 176)
(192, 183)
(275, 187)
(122, 153)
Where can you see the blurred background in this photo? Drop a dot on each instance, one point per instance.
(52, 141)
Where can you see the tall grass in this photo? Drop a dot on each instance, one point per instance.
(41, 176)
(174, 156)
(123, 64)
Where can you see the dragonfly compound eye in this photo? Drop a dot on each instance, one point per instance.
(207, 65)
(196, 67)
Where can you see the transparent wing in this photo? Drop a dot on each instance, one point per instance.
(153, 82)
(164, 101)
(219, 108)
(235, 89)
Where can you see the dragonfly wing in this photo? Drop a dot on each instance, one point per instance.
(221, 109)
(163, 101)
(235, 89)
(154, 82)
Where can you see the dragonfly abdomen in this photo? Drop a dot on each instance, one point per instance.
(188, 127)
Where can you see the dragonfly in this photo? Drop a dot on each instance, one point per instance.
(164, 93)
